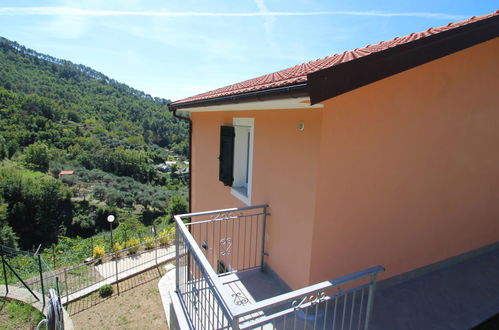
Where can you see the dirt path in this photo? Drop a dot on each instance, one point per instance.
(138, 306)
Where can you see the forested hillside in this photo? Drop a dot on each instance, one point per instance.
(58, 116)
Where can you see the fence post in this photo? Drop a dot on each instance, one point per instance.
(66, 284)
(117, 283)
(155, 242)
(53, 254)
(156, 253)
(177, 258)
(5, 276)
(57, 287)
(41, 278)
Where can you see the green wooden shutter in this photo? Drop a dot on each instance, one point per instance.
(226, 157)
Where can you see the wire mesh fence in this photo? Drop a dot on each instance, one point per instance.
(30, 271)
(24, 269)
(83, 279)
(140, 280)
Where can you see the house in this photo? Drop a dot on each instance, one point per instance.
(166, 166)
(62, 173)
(385, 155)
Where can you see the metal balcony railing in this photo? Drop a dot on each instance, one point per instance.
(214, 244)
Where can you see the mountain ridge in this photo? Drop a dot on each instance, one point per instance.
(56, 115)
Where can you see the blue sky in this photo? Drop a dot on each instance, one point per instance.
(174, 49)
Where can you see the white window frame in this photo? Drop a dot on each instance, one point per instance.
(243, 158)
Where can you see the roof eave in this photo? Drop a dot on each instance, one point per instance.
(293, 91)
(342, 78)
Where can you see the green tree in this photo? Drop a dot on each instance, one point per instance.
(130, 228)
(38, 205)
(37, 156)
(7, 235)
(3, 148)
(176, 205)
(88, 122)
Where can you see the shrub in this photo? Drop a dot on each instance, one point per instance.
(133, 245)
(177, 205)
(132, 227)
(117, 247)
(98, 252)
(149, 242)
(106, 290)
(167, 235)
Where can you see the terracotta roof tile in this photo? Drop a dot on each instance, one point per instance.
(298, 73)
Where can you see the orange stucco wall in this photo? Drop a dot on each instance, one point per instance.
(285, 167)
(401, 173)
(409, 170)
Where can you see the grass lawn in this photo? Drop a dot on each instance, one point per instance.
(16, 315)
(138, 306)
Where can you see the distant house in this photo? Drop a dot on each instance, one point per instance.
(384, 155)
(62, 173)
(166, 166)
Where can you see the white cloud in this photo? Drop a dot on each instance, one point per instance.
(263, 12)
(269, 22)
(67, 27)
(269, 19)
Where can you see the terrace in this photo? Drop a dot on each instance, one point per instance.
(222, 281)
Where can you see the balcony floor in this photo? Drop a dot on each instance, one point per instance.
(459, 296)
(252, 286)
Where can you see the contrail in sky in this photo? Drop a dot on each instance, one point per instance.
(54, 11)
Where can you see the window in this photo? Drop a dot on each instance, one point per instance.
(236, 157)
(243, 158)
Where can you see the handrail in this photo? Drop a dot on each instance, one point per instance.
(224, 219)
(285, 297)
(220, 289)
(263, 319)
(196, 214)
(237, 314)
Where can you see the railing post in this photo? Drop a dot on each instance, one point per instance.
(177, 257)
(235, 323)
(5, 276)
(264, 226)
(155, 246)
(116, 268)
(67, 288)
(370, 301)
(41, 278)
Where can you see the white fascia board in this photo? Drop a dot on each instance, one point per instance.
(278, 104)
